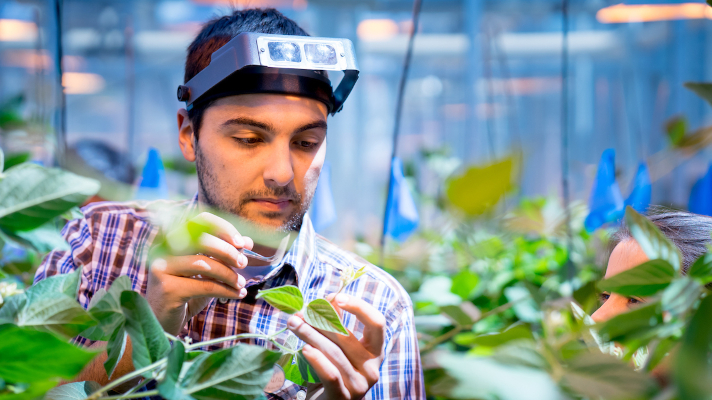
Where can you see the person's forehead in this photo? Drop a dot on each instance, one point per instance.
(626, 255)
(266, 103)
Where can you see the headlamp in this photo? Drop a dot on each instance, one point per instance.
(282, 64)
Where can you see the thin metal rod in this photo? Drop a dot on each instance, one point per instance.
(565, 132)
(417, 4)
(61, 123)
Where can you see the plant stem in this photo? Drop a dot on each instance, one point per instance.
(171, 337)
(451, 333)
(126, 378)
(132, 395)
(139, 386)
(225, 339)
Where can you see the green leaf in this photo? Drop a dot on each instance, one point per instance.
(36, 390)
(16, 159)
(467, 377)
(702, 89)
(464, 283)
(600, 376)
(644, 280)
(480, 188)
(701, 269)
(692, 370)
(31, 195)
(285, 298)
(517, 331)
(105, 306)
(66, 284)
(73, 391)
(676, 128)
(464, 314)
(243, 368)
(291, 368)
(115, 348)
(30, 355)
(306, 371)
(681, 296)
(147, 338)
(42, 239)
(2, 160)
(651, 240)
(168, 387)
(634, 324)
(322, 315)
(73, 213)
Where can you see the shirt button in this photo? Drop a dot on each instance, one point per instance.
(301, 395)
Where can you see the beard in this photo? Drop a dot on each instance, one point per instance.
(208, 185)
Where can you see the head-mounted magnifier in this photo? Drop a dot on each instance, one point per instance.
(282, 64)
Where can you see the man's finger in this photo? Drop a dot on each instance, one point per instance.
(187, 266)
(328, 348)
(374, 322)
(222, 229)
(225, 252)
(191, 288)
(327, 372)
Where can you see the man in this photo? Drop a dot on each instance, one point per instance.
(258, 156)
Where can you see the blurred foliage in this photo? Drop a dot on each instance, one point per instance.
(502, 303)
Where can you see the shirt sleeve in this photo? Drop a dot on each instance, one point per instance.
(79, 255)
(401, 375)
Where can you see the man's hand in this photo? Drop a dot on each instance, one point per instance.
(181, 284)
(346, 366)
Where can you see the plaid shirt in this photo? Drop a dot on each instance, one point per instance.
(113, 239)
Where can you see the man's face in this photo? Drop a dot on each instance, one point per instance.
(259, 156)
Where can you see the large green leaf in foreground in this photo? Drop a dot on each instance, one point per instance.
(73, 391)
(147, 338)
(651, 240)
(241, 370)
(29, 355)
(644, 280)
(31, 195)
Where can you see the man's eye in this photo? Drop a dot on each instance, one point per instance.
(248, 140)
(633, 301)
(603, 297)
(306, 144)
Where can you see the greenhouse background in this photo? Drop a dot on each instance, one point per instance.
(485, 81)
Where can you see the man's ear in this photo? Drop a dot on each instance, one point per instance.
(186, 135)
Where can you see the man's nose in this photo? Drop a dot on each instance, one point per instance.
(279, 169)
(604, 313)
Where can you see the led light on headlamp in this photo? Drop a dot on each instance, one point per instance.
(263, 63)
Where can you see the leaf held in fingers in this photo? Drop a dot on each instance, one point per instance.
(651, 240)
(644, 280)
(284, 298)
(73, 391)
(147, 338)
(115, 349)
(321, 315)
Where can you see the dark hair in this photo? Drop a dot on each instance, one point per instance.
(217, 32)
(691, 233)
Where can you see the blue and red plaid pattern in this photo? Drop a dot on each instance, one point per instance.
(113, 239)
